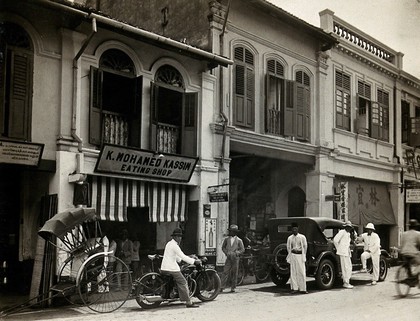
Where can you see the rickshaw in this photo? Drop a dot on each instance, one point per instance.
(86, 276)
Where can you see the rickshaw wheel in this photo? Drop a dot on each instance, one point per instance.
(101, 287)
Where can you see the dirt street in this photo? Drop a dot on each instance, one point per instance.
(267, 302)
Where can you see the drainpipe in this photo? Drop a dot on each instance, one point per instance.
(225, 119)
(75, 102)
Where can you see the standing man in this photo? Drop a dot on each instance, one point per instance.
(171, 257)
(342, 245)
(233, 247)
(296, 248)
(410, 245)
(372, 249)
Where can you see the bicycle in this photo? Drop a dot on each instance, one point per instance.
(405, 279)
(253, 263)
(153, 288)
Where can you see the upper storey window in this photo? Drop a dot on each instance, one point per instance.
(342, 100)
(380, 116)
(244, 88)
(115, 104)
(16, 81)
(173, 114)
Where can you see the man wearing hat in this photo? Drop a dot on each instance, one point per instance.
(171, 257)
(342, 245)
(297, 247)
(233, 247)
(410, 244)
(371, 249)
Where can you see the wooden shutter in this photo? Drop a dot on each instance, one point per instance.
(289, 119)
(250, 93)
(20, 95)
(375, 128)
(240, 114)
(3, 86)
(189, 124)
(95, 113)
(300, 111)
(307, 106)
(135, 113)
(154, 96)
(273, 104)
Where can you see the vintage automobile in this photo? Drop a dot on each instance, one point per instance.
(322, 262)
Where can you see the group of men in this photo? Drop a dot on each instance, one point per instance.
(371, 250)
(297, 247)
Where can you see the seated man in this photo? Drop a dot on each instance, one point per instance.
(171, 256)
(410, 245)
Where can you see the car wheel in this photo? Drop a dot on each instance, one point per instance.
(280, 255)
(277, 278)
(325, 275)
(383, 269)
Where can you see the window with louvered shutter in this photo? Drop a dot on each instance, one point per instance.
(244, 86)
(16, 82)
(115, 101)
(303, 106)
(274, 97)
(342, 100)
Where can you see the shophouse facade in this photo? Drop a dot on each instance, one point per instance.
(307, 115)
(372, 103)
(267, 126)
(102, 114)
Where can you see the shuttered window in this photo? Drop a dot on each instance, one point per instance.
(342, 100)
(380, 116)
(16, 78)
(303, 106)
(115, 101)
(244, 86)
(274, 97)
(173, 121)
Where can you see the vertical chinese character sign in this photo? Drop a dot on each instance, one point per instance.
(210, 231)
(344, 201)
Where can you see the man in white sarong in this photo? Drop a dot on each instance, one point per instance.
(296, 248)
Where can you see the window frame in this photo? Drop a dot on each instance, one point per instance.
(343, 112)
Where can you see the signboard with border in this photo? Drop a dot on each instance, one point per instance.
(144, 163)
(218, 193)
(210, 236)
(412, 195)
(20, 153)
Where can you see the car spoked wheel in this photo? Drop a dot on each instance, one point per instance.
(383, 269)
(280, 255)
(278, 278)
(325, 275)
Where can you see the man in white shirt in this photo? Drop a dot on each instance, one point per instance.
(297, 247)
(171, 257)
(342, 245)
(372, 249)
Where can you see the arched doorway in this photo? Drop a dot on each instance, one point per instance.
(296, 202)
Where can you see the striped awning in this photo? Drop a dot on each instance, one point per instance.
(111, 197)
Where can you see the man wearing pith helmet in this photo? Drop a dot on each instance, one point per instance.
(233, 247)
(371, 249)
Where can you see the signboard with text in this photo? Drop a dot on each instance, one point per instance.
(20, 153)
(218, 193)
(136, 162)
(412, 195)
(210, 232)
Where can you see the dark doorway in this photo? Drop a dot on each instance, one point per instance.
(296, 202)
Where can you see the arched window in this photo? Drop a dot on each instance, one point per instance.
(16, 82)
(115, 111)
(173, 114)
(275, 95)
(303, 106)
(244, 88)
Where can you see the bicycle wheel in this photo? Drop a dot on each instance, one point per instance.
(101, 289)
(208, 285)
(241, 273)
(262, 273)
(149, 290)
(402, 281)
